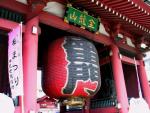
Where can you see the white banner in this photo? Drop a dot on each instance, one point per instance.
(138, 105)
(15, 70)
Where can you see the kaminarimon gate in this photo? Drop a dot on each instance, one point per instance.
(89, 52)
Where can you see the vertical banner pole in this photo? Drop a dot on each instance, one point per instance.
(139, 86)
(22, 97)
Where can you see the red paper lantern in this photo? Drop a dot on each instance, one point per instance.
(71, 68)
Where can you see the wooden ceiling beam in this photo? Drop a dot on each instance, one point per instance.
(8, 25)
(14, 6)
(129, 61)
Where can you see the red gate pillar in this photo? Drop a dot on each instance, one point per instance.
(30, 53)
(144, 82)
(119, 80)
(86, 107)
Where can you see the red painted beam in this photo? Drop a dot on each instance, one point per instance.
(97, 38)
(126, 47)
(100, 50)
(8, 25)
(60, 1)
(36, 8)
(53, 21)
(104, 61)
(121, 41)
(129, 61)
(14, 6)
(57, 22)
(19, 7)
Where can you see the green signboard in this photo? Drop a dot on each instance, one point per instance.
(82, 19)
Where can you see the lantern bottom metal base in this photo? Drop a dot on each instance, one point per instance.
(74, 101)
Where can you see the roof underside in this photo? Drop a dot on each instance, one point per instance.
(130, 14)
(133, 16)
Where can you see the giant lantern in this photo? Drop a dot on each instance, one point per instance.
(71, 68)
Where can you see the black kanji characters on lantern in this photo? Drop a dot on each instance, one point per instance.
(82, 63)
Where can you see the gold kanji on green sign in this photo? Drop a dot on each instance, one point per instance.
(91, 23)
(82, 19)
(73, 16)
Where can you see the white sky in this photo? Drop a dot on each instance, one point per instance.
(147, 65)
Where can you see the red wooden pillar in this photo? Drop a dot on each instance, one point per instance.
(144, 82)
(86, 108)
(87, 103)
(62, 109)
(30, 53)
(119, 80)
